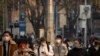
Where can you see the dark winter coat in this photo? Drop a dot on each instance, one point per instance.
(77, 52)
(94, 52)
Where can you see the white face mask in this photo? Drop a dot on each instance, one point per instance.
(32, 36)
(70, 44)
(58, 40)
(6, 38)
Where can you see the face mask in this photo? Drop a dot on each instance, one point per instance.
(6, 38)
(58, 41)
(70, 44)
(32, 36)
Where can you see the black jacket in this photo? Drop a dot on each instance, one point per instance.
(94, 52)
(77, 52)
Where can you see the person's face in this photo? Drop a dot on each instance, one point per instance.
(77, 44)
(23, 47)
(96, 43)
(43, 43)
(70, 43)
(58, 41)
(35, 46)
(6, 37)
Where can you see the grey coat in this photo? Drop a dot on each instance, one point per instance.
(60, 50)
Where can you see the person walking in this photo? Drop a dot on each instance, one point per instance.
(23, 49)
(78, 50)
(8, 44)
(95, 49)
(69, 43)
(60, 49)
(45, 49)
(34, 48)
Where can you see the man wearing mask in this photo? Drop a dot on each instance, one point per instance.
(7, 44)
(95, 49)
(77, 50)
(60, 49)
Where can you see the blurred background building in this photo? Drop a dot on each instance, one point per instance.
(65, 15)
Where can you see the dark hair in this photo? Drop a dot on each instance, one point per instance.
(59, 37)
(96, 38)
(66, 42)
(79, 40)
(43, 39)
(96, 41)
(8, 33)
(22, 41)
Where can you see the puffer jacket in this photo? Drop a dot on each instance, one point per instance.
(60, 50)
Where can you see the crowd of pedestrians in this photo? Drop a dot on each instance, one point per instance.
(28, 46)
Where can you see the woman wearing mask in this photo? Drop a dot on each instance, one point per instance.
(45, 49)
(23, 49)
